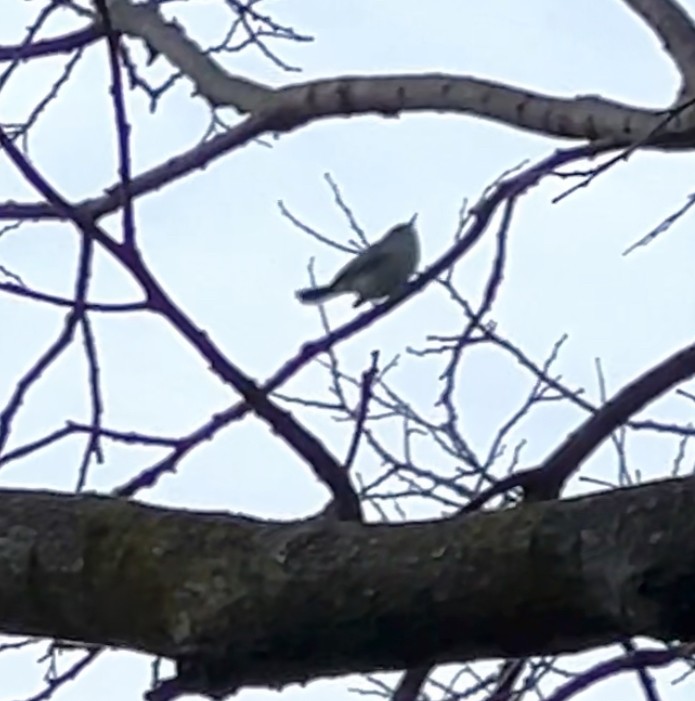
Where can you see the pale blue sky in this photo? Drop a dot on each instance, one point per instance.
(224, 252)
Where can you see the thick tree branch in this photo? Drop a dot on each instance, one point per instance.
(270, 603)
(580, 118)
(676, 31)
(612, 124)
(145, 21)
(284, 109)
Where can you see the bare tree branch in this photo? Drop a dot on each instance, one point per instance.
(547, 481)
(446, 590)
(504, 191)
(624, 663)
(284, 109)
(28, 293)
(169, 39)
(306, 444)
(122, 126)
(607, 578)
(365, 395)
(675, 29)
(66, 43)
(585, 118)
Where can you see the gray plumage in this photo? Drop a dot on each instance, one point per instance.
(379, 271)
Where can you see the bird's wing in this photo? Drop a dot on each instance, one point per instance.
(369, 260)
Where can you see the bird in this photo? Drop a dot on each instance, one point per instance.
(379, 271)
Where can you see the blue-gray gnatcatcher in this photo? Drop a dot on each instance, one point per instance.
(379, 271)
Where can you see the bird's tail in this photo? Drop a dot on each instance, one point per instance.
(315, 295)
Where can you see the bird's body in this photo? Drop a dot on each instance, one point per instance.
(377, 272)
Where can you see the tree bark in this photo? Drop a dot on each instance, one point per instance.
(286, 602)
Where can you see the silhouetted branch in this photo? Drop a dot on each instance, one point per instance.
(505, 190)
(28, 293)
(365, 395)
(546, 481)
(122, 126)
(93, 446)
(305, 444)
(609, 668)
(64, 44)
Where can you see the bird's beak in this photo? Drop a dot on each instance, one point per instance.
(412, 221)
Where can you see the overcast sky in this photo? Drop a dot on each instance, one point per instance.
(225, 253)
